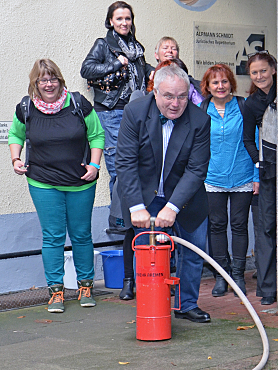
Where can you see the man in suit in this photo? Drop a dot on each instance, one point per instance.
(161, 161)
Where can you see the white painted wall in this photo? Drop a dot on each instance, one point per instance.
(65, 31)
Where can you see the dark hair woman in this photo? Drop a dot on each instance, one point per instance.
(61, 186)
(262, 68)
(119, 53)
(230, 175)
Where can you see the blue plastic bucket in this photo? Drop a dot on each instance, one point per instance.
(113, 268)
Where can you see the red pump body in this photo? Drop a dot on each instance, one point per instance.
(153, 289)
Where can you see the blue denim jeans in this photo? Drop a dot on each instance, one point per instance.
(59, 211)
(110, 122)
(190, 264)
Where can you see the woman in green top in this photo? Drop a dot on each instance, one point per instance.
(61, 178)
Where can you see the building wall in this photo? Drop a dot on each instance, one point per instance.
(65, 31)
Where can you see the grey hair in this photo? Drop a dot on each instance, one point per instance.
(171, 71)
(164, 39)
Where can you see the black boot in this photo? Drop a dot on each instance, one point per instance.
(221, 285)
(238, 274)
(127, 291)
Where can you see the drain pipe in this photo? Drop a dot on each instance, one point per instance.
(242, 296)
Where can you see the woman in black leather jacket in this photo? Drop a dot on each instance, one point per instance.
(118, 52)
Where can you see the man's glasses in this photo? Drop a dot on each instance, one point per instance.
(44, 81)
(257, 52)
(170, 97)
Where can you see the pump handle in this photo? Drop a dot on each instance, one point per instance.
(148, 246)
(152, 235)
(152, 220)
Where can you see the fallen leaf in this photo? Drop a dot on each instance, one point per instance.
(123, 363)
(131, 322)
(276, 340)
(231, 313)
(172, 363)
(46, 321)
(33, 288)
(21, 317)
(209, 358)
(245, 327)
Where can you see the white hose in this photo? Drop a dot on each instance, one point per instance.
(241, 295)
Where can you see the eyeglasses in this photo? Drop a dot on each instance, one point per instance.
(44, 81)
(170, 97)
(257, 52)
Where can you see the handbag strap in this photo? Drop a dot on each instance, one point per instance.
(240, 101)
(25, 110)
(77, 102)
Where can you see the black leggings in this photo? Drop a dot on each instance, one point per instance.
(128, 253)
(218, 216)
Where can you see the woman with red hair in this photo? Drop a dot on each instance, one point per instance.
(194, 93)
(230, 174)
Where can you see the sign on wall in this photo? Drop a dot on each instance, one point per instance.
(4, 129)
(226, 44)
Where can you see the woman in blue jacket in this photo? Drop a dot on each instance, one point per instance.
(230, 176)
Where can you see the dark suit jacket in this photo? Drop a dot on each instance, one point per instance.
(139, 160)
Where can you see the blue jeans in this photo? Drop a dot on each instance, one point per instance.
(110, 122)
(190, 264)
(59, 211)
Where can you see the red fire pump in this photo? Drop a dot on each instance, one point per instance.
(153, 286)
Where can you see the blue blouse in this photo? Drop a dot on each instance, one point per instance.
(230, 164)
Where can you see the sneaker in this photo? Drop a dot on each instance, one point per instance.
(55, 303)
(85, 293)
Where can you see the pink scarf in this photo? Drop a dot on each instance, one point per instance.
(50, 108)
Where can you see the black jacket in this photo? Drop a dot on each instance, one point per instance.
(102, 60)
(140, 153)
(254, 109)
